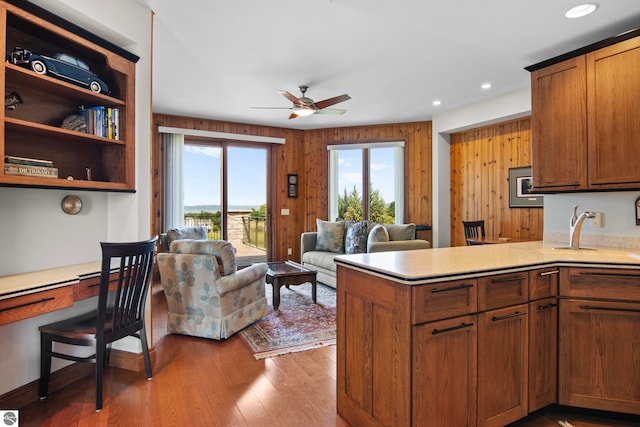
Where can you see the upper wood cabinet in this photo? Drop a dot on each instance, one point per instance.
(559, 126)
(613, 115)
(585, 111)
(33, 129)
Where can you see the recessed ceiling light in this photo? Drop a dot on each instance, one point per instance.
(437, 102)
(486, 86)
(581, 10)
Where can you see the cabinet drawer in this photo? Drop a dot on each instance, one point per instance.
(503, 290)
(601, 283)
(90, 287)
(23, 307)
(543, 283)
(444, 300)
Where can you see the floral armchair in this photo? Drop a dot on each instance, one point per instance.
(206, 295)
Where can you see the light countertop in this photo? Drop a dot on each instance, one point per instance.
(427, 265)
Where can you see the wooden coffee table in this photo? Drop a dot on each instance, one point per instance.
(286, 273)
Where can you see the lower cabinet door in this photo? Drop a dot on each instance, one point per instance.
(599, 355)
(444, 373)
(503, 357)
(543, 353)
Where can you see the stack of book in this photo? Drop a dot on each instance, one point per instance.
(102, 121)
(25, 166)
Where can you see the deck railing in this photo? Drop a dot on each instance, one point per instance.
(254, 231)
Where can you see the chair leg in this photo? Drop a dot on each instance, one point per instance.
(46, 346)
(100, 358)
(145, 352)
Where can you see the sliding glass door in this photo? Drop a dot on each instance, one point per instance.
(225, 190)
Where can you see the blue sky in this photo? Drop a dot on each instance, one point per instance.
(246, 177)
(247, 174)
(381, 170)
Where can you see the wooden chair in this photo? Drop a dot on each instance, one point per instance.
(119, 313)
(473, 230)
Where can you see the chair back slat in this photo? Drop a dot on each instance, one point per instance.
(473, 230)
(124, 307)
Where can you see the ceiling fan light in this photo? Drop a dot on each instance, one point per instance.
(303, 112)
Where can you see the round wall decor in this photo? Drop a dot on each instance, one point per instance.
(71, 205)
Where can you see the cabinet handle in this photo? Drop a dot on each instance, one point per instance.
(508, 316)
(26, 304)
(509, 279)
(548, 306)
(590, 307)
(453, 328)
(452, 288)
(548, 273)
(588, 273)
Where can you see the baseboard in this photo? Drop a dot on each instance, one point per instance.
(28, 393)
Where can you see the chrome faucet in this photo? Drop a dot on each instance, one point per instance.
(575, 225)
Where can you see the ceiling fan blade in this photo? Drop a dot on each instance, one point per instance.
(330, 111)
(332, 101)
(290, 97)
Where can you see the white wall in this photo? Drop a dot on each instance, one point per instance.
(619, 227)
(36, 234)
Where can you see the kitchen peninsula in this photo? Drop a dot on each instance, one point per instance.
(484, 335)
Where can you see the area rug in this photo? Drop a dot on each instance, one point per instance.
(298, 325)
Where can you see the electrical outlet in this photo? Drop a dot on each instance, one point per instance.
(289, 251)
(597, 221)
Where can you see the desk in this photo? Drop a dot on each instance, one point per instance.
(30, 294)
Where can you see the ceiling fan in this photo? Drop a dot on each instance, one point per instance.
(304, 106)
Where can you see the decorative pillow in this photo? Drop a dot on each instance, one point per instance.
(378, 234)
(401, 231)
(355, 241)
(330, 236)
(222, 250)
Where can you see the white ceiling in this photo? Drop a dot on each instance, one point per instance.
(217, 59)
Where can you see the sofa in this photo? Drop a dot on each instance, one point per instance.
(207, 296)
(318, 248)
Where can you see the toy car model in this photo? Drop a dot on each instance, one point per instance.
(60, 65)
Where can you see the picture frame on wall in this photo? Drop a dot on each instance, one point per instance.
(521, 189)
(292, 185)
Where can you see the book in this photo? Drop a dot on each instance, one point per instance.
(30, 170)
(27, 161)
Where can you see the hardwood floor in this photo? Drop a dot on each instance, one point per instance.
(198, 382)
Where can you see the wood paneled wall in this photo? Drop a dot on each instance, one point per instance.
(305, 153)
(480, 162)
(417, 170)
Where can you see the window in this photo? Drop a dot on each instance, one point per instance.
(366, 182)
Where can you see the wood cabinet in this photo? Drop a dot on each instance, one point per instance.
(33, 129)
(559, 126)
(599, 341)
(444, 339)
(543, 337)
(613, 115)
(503, 345)
(586, 118)
(445, 373)
(373, 328)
